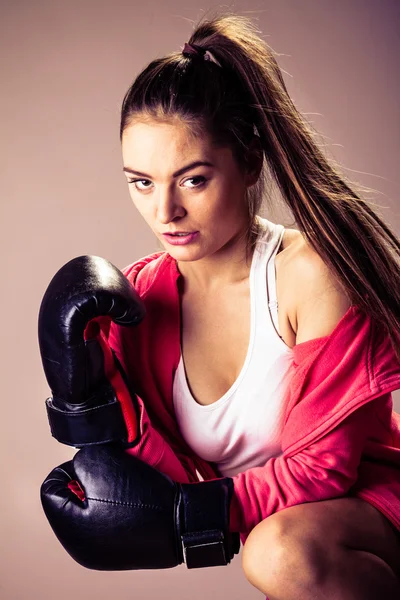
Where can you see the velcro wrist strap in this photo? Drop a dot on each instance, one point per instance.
(95, 425)
(204, 524)
(204, 549)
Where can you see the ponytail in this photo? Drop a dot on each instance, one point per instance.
(241, 94)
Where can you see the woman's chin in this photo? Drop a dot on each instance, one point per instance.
(183, 254)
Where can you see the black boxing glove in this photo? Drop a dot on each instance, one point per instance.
(91, 401)
(112, 511)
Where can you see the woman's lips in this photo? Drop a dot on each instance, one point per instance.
(180, 240)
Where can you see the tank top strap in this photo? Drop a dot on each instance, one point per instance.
(267, 247)
(271, 274)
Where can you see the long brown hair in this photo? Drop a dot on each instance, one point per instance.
(245, 95)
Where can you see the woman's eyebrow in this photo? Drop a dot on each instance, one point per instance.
(197, 163)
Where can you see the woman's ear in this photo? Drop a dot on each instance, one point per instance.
(255, 159)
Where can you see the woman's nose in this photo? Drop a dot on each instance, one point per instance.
(168, 207)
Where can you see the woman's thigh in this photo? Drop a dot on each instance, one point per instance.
(347, 522)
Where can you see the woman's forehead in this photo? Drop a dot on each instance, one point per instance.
(145, 137)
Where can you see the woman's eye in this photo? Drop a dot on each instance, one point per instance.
(136, 181)
(199, 178)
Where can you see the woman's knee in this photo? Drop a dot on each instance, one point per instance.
(277, 550)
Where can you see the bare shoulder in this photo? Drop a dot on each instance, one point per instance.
(320, 300)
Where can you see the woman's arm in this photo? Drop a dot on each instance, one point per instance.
(322, 470)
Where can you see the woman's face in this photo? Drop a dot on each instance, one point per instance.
(182, 184)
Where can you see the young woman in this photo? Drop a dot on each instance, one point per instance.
(268, 354)
(202, 131)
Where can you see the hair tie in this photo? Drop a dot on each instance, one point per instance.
(195, 50)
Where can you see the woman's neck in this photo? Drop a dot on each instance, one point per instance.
(229, 266)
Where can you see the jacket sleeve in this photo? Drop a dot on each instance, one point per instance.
(324, 469)
(152, 448)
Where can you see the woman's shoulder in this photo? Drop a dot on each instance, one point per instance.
(291, 239)
(319, 300)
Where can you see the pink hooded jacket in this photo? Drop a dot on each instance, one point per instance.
(340, 436)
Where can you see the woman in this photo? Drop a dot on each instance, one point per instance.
(268, 354)
(195, 130)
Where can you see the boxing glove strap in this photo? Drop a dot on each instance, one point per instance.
(204, 523)
(95, 425)
(204, 549)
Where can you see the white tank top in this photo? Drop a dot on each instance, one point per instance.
(242, 429)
